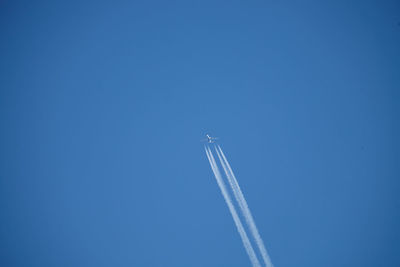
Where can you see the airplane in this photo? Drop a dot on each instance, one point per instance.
(210, 139)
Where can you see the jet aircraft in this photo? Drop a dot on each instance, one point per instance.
(210, 139)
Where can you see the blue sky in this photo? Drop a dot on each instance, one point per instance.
(103, 104)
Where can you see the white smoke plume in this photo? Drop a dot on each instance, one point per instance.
(237, 192)
(246, 242)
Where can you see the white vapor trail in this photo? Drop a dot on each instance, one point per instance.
(243, 206)
(246, 242)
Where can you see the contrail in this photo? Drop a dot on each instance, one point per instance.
(243, 206)
(246, 242)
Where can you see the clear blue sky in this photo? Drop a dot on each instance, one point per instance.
(103, 104)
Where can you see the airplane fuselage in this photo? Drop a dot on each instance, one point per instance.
(209, 139)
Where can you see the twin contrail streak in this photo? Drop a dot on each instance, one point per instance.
(237, 192)
(236, 219)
